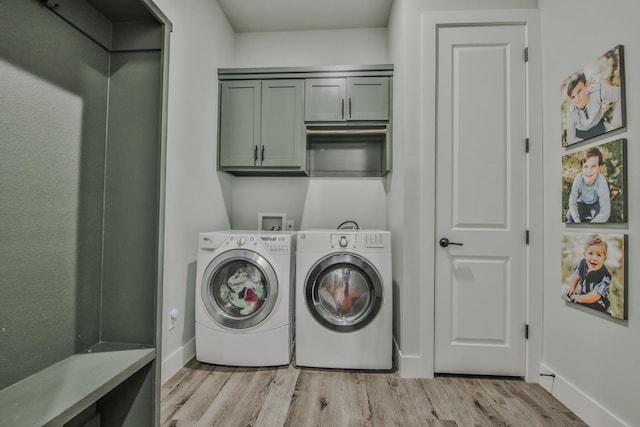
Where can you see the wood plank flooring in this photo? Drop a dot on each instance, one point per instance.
(210, 395)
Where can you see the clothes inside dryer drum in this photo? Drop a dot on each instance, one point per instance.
(344, 293)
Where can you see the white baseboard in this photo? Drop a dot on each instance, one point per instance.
(410, 366)
(177, 360)
(590, 411)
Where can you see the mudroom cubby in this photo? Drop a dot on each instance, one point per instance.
(82, 116)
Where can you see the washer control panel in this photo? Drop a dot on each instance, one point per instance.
(241, 241)
(278, 245)
(209, 242)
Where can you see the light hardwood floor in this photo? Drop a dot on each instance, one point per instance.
(210, 395)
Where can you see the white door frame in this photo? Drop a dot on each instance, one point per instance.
(530, 18)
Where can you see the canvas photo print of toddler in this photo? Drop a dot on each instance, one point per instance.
(594, 272)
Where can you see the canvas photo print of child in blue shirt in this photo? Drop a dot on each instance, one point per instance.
(594, 185)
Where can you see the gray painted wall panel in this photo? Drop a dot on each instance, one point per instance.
(131, 223)
(53, 86)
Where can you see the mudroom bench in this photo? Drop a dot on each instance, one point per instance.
(59, 393)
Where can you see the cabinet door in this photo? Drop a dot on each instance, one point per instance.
(282, 131)
(239, 122)
(324, 100)
(368, 98)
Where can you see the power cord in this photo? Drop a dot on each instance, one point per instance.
(356, 226)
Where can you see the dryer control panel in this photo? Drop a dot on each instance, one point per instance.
(374, 240)
(357, 240)
(361, 240)
(343, 241)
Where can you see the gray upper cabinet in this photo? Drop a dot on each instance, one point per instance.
(344, 99)
(239, 123)
(313, 121)
(261, 125)
(281, 135)
(324, 100)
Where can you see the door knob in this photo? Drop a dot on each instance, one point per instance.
(444, 242)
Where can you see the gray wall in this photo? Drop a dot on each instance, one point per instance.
(131, 198)
(594, 357)
(201, 42)
(53, 93)
(356, 46)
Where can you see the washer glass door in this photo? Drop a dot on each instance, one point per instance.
(239, 289)
(343, 292)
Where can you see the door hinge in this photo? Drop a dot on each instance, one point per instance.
(526, 145)
(526, 332)
(526, 237)
(526, 54)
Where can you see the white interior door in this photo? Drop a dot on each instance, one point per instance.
(481, 200)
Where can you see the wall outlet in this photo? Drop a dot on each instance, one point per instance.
(289, 225)
(173, 318)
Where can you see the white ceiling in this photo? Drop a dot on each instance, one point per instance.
(300, 15)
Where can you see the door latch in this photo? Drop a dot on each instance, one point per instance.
(444, 242)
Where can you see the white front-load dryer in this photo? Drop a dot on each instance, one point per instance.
(343, 299)
(243, 298)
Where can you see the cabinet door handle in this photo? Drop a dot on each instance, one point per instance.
(255, 153)
(342, 109)
(349, 107)
(262, 154)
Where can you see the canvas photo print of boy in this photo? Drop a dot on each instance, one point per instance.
(593, 272)
(594, 184)
(592, 99)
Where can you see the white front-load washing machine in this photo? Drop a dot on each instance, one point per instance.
(243, 298)
(343, 299)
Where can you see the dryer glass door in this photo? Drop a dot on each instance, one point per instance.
(343, 292)
(240, 289)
